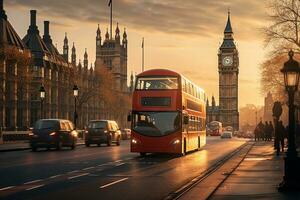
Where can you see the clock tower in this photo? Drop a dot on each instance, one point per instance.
(228, 65)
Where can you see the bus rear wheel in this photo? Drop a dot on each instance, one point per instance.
(143, 154)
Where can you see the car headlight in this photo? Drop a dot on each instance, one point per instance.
(74, 134)
(105, 131)
(53, 133)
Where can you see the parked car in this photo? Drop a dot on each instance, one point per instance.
(56, 133)
(226, 134)
(229, 128)
(125, 133)
(102, 131)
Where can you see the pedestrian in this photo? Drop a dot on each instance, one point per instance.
(271, 131)
(277, 138)
(281, 135)
(260, 130)
(266, 131)
(256, 133)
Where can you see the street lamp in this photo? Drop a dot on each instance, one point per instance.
(291, 179)
(75, 92)
(42, 96)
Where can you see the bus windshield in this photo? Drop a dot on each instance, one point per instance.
(156, 123)
(157, 83)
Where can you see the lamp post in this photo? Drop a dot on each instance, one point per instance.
(75, 92)
(291, 179)
(42, 96)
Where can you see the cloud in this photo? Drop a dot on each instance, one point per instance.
(204, 18)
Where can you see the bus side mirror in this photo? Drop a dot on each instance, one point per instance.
(186, 119)
(129, 118)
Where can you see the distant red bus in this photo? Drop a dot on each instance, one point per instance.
(215, 128)
(168, 114)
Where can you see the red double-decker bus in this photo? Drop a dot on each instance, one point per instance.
(168, 114)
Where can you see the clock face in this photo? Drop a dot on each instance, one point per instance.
(227, 61)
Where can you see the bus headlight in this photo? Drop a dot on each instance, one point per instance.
(134, 141)
(176, 141)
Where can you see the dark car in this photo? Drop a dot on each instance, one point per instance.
(56, 133)
(102, 131)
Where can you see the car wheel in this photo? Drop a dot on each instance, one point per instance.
(87, 144)
(73, 146)
(109, 141)
(143, 154)
(33, 149)
(59, 145)
(118, 141)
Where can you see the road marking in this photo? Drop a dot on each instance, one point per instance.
(88, 168)
(35, 181)
(80, 175)
(73, 171)
(118, 160)
(55, 176)
(112, 183)
(119, 164)
(34, 187)
(7, 188)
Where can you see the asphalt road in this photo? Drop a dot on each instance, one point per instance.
(104, 172)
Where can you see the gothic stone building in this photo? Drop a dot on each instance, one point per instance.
(228, 66)
(28, 64)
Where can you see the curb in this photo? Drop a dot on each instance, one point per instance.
(26, 148)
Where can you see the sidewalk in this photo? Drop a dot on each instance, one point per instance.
(257, 177)
(24, 145)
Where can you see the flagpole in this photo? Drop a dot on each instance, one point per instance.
(143, 56)
(111, 10)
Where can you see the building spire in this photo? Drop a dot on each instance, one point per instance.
(73, 55)
(107, 35)
(85, 61)
(66, 48)
(228, 28)
(2, 11)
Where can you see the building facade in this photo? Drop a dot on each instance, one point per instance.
(28, 64)
(268, 108)
(228, 68)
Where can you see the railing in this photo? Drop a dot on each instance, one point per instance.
(14, 135)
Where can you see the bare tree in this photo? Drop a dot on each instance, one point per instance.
(281, 36)
(283, 33)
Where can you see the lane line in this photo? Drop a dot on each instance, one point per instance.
(112, 183)
(35, 181)
(55, 176)
(35, 187)
(7, 188)
(80, 175)
(118, 160)
(87, 168)
(72, 172)
(119, 164)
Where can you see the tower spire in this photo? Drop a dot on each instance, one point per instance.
(228, 28)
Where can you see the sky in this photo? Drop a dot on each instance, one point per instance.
(179, 35)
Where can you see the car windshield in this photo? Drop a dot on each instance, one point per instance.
(156, 123)
(157, 83)
(46, 124)
(97, 124)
